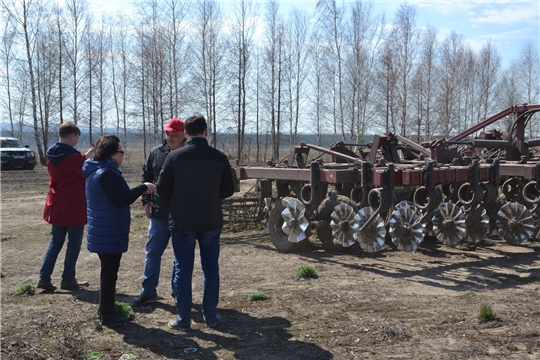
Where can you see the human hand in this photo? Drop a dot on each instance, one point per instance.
(148, 209)
(151, 187)
(89, 153)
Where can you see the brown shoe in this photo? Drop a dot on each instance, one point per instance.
(74, 284)
(45, 285)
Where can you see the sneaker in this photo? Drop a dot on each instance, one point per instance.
(143, 300)
(73, 284)
(214, 323)
(112, 320)
(45, 285)
(173, 324)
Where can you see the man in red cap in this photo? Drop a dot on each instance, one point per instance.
(157, 210)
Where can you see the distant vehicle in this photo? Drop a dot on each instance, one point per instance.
(15, 155)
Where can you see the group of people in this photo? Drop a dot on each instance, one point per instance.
(183, 183)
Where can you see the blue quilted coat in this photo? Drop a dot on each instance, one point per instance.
(108, 226)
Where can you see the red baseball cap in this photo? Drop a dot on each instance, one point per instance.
(174, 126)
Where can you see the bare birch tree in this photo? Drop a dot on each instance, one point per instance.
(318, 90)
(60, 22)
(405, 39)
(299, 29)
(452, 62)
(272, 64)
(8, 58)
(77, 28)
(154, 62)
(364, 41)
(241, 47)
(101, 46)
(489, 74)
(209, 59)
(47, 75)
(26, 16)
(386, 88)
(331, 22)
(120, 69)
(529, 75)
(425, 80)
(175, 33)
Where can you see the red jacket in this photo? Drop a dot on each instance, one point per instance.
(66, 200)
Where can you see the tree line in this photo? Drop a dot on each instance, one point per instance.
(344, 70)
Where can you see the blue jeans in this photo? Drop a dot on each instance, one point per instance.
(158, 239)
(184, 255)
(75, 235)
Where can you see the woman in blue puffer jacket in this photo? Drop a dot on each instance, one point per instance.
(108, 198)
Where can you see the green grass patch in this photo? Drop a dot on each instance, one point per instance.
(2, 273)
(138, 215)
(258, 296)
(124, 309)
(486, 313)
(28, 289)
(523, 280)
(307, 272)
(93, 355)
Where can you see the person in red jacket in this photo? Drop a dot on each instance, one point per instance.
(65, 207)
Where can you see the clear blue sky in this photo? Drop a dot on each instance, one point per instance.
(507, 23)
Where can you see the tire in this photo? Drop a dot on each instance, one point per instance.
(275, 222)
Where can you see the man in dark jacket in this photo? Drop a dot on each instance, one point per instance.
(157, 210)
(194, 179)
(65, 207)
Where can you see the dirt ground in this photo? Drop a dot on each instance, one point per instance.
(388, 305)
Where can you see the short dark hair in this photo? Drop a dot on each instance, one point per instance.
(68, 128)
(195, 125)
(105, 147)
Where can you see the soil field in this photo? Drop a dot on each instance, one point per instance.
(388, 305)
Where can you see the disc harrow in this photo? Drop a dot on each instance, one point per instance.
(393, 192)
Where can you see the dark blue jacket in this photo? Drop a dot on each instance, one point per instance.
(151, 170)
(108, 225)
(194, 179)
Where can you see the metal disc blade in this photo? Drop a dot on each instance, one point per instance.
(515, 223)
(405, 226)
(344, 222)
(371, 239)
(449, 223)
(295, 223)
(477, 222)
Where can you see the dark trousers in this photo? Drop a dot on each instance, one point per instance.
(110, 263)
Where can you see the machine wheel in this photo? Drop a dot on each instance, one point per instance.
(324, 228)
(287, 225)
(449, 223)
(405, 227)
(515, 223)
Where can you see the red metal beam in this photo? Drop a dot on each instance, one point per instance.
(513, 109)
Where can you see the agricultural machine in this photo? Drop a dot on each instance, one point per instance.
(396, 191)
